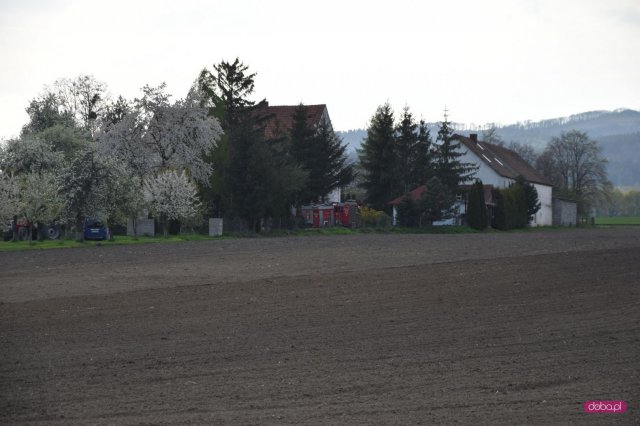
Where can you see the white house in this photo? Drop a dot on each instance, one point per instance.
(499, 166)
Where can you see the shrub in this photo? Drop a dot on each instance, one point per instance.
(370, 218)
(511, 208)
(477, 210)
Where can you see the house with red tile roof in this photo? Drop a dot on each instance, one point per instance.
(415, 196)
(280, 117)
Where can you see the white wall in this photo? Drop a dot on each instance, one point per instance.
(490, 177)
(486, 174)
(544, 217)
(333, 196)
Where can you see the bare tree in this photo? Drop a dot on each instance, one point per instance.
(491, 136)
(527, 152)
(575, 165)
(84, 98)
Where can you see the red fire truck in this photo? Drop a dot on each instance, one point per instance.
(324, 215)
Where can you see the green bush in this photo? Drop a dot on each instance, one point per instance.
(511, 208)
(407, 212)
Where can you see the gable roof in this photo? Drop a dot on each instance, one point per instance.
(503, 161)
(415, 195)
(280, 117)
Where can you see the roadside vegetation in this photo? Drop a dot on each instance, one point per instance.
(21, 245)
(618, 220)
(118, 240)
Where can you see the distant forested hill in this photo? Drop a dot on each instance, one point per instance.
(353, 138)
(597, 124)
(617, 131)
(623, 153)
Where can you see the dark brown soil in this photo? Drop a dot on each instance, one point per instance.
(395, 329)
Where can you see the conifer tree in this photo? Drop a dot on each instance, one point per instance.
(407, 211)
(378, 160)
(321, 153)
(406, 151)
(436, 202)
(530, 196)
(250, 174)
(225, 91)
(424, 162)
(450, 170)
(331, 166)
(476, 208)
(302, 133)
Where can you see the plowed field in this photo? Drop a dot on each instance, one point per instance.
(514, 328)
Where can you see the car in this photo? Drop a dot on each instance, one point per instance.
(95, 230)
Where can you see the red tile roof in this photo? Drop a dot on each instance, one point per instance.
(280, 117)
(503, 161)
(415, 195)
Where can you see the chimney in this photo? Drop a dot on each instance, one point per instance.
(474, 137)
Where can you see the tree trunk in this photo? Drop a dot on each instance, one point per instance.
(42, 231)
(165, 227)
(134, 225)
(79, 229)
(14, 229)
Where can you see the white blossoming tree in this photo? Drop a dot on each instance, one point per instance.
(39, 201)
(29, 190)
(29, 154)
(159, 135)
(88, 186)
(9, 197)
(171, 196)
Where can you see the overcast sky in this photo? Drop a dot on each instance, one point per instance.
(486, 61)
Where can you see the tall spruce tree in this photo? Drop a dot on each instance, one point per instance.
(331, 164)
(301, 135)
(226, 92)
(424, 162)
(450, 170)
(262, 177)
(407, 151)
(378, 160)
(321, 153)
(288, 179)
(250, 173)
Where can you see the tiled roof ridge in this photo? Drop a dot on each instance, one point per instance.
(509, 163)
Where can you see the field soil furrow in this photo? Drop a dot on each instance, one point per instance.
(424, 329)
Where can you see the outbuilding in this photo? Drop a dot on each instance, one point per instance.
(565, 212)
